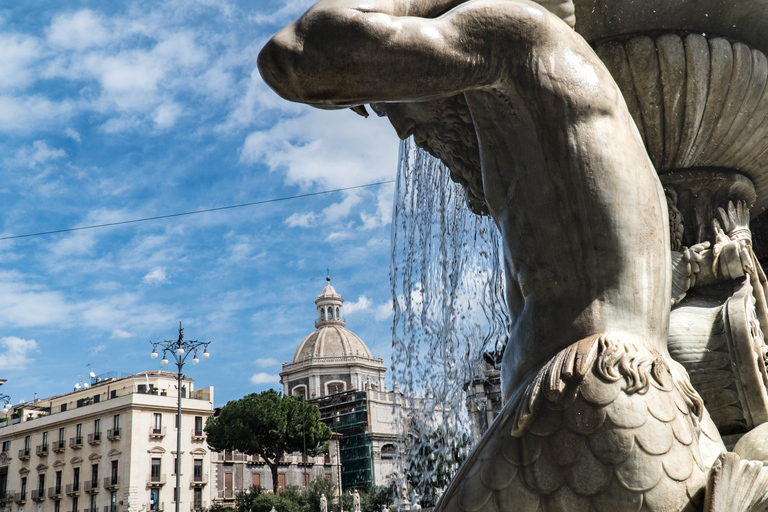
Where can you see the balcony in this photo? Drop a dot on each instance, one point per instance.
(199, 480)
(112, 483)
(91, 486)
(110, 508)
(76, 442)
(156, 480)
(38, 494)
(54, 492)
(6, 496)
(20, 497)
(158, 433)
(157, 507)
(58, 446)
(73, 489)
(24, 454)
(113, 434)
(42, 450)
(198, 435)
(94, 438)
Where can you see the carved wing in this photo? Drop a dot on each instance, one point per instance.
(599, 448)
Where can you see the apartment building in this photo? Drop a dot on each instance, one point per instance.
(109, 446)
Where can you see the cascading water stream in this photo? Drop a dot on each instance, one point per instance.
(448, 292)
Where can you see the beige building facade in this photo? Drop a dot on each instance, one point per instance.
(107, 447)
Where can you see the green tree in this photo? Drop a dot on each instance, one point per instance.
(269, 425)
(381, 498)
(318, 487)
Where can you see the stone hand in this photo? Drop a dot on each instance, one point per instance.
(685, 268)
(732, 258)
(735, 221)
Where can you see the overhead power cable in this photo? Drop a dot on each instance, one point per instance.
(133, 221)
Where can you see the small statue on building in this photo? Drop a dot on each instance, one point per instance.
(356, 501)
(323, 503)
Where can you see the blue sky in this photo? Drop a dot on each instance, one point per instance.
(124, 110)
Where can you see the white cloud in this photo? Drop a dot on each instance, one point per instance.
(16, 352)
(290, 10)
(72, 134)
(27, 113)
(18, 56)
(264, 378)
(302, 220)
(384, 311)
(330, 149)
(362, 304)
(121, 334)
(155, 276)
(167, 114)
(98, 348)
(79, 30)
(266, 362)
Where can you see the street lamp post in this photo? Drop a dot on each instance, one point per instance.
(179, 350)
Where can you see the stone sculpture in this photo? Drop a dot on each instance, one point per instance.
(529, 119)
(356, 501)
(323, 503)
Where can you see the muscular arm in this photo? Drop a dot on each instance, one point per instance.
(350, 52)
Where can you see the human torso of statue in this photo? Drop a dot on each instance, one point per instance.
(579, 206)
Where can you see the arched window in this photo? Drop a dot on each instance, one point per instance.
(322, 314)
(388, 451)
(335, 387)
(338, 317)
(300, 391)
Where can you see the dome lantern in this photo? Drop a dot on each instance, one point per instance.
(329, 306)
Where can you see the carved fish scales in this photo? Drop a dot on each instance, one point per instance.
(596, 448)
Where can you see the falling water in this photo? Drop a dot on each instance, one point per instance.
(448, 293)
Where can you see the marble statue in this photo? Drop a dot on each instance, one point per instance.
(356, 501)
(529, 118)
(323, 503)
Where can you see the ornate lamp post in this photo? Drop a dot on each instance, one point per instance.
(179, 350)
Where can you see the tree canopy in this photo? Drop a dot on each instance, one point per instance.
(269, 425)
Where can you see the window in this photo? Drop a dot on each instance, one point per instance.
(97, 430)
(113, 501)
(281, 481)
(336, 387)
(155, 471)
(114, 472)
(176, 421)
(45, 441)
(388, 451)
(26, 445)
(95, 476)
(23, 486)
(153, 499)
(6, 446)
(74, 504)
(57, 506)
(300, 391)
(93, 503)
(41, 483)
(198, 470)
(229, 491)
(175, 465)
(58, 482)
(198, 499)
(255, 480)
(63, 409)
(76, 479)
(79, 433)
(198, 426)
(157, 423)
(61, 435)
(116, 422)
(338, 317)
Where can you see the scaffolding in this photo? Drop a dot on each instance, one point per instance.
(347, 414)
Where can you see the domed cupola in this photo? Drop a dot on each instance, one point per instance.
(329, 307)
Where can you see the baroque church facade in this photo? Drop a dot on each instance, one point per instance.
(334, 370)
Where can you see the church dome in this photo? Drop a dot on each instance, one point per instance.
(330, 339)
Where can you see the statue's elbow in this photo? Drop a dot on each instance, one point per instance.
(277, 65)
